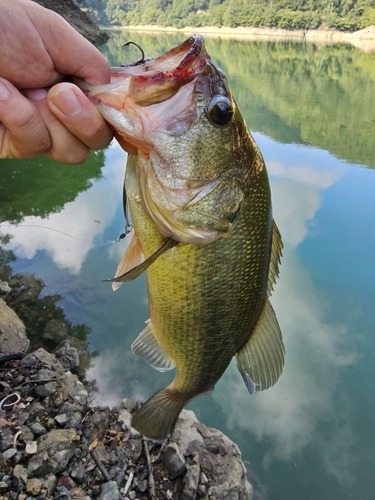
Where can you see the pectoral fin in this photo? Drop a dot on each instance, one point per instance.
(131, 259)
(261, 359)
(148, 348)
(138, 270)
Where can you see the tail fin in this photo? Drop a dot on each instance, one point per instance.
(158, 416)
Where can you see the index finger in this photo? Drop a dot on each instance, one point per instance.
(71, 53)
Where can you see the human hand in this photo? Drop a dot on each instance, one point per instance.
(37, 50)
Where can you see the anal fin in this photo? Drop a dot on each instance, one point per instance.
(148, 348)
(261, 360)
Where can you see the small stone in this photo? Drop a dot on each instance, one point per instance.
(128, 404)
(31, 448)
(125, 419)
(62, 419)
(33, 486)
(27, 435)
(202, 490)
(173, 460)
(8, 454)
(51, 485)
(3, 487)
(142, 485)
(203, 479)
(78, 473)
(102, 453)
(37, 429)
(132, 495)
(20, 473)
(46, 389)
(77, 494)
(6, 441)
(191, 481)
(109, 491)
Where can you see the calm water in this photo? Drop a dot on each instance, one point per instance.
(312, 112)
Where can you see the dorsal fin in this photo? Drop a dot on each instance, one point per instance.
(133, 256)
(261, 359)
(148, 348)
(275, 257)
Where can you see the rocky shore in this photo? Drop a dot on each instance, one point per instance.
(54, 445)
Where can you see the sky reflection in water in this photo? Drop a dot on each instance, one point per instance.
(311, 436)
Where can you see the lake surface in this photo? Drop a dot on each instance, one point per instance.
(312, 112)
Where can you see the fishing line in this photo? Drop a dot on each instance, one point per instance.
(109, 242)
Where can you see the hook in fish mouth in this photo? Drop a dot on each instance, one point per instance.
(139, 61)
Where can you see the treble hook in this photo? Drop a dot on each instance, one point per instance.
(140, 61)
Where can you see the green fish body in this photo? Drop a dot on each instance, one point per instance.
(200, 202)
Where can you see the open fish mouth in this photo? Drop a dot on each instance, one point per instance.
(153, 81)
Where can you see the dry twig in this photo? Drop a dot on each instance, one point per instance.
(151, 481)
(102, 470)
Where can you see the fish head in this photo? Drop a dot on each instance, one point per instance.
(195, 155)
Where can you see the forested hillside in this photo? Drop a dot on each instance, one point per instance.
(344, 15)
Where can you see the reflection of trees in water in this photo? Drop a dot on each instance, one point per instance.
(323, 96)
(40, 186)
(45, 322)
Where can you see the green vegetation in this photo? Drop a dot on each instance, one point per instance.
(41, 186)
(344, 15)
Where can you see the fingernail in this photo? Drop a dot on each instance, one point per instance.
(4, 92)
(67, 102)
(36, 94)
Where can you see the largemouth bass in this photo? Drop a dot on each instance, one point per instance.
(200, 202)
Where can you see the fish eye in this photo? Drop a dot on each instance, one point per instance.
(220, 111)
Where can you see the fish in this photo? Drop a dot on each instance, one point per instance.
(198, 193)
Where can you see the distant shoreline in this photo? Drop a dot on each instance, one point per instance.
(363, 39)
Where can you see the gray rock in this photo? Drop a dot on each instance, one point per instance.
(128, 404)
(20, 473)
(142, 485)
(3, 487)
(37, 429)
(13, 340)
(27, 434)
(6, 441)
(45, 390)
(33, 486)
(79, 473)
(51, 485)
(219, 458)
(8, 454)
(191, 481)
(68, 356)
(49, 361)
(109, 491)
(173, 460)
(54, 452)
(186, 431)
(61, 419)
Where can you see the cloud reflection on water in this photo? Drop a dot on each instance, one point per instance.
(289, 414)
(83, 220)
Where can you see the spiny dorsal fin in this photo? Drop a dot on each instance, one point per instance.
(148, 348)
(133, 256)
(261, 359)
(138, 270)
(276, 251)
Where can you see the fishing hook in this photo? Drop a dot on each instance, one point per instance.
(140, 61)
